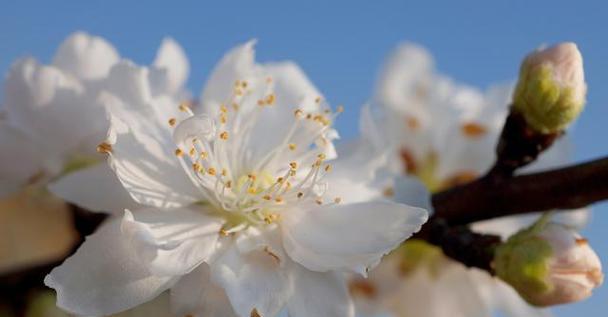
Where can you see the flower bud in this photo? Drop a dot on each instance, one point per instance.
(549, 264)
(551, 89)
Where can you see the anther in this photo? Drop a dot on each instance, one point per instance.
(211, 171)
(270, 99)
(179, 152)
(104, 147)
(337, 200)
(172, 122)
(224, 135)
(292, 146)
(293, 165)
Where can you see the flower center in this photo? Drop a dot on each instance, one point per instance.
(222, 155)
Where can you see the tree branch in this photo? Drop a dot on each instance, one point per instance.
(492, 197)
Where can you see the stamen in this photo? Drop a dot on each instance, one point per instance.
(172, 122)
(104, 147)
(179, 153)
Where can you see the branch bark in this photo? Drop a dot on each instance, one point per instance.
(492, 197)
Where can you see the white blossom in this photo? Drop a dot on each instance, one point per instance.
(241, 212)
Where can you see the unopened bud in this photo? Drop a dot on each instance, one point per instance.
(551, 89)
(549, 264)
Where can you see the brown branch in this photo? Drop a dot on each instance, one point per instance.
(492, 197)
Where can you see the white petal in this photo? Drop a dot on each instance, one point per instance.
(253, 280)
(103, 277)
(237, 64)
(319, 294)
(172, 242)
(196, 295)
(142, 157)
(86, 56)
(348, 237)
(410, 191)
(52, 107)
(95, 188)
(20, 159)
(172, 59)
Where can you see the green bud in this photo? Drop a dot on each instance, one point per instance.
(551, 89)
(548, 264)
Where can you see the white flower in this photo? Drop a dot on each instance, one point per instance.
(242, 214)
(444, 134)
(55, 114)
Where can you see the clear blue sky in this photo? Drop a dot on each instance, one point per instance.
(341, 45)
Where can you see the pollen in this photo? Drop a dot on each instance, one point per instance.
(224, 135)
(293, 165)
(179, 152)
(197, 167)
(321, 156)
(278, 199)
(279, 180)
(270, 99)
(172, 122)
(104, 147)
(184, 106)
(211, 171)
(203, 155)
(473, 130)
(292, 146)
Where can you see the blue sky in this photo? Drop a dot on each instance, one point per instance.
(341, 45)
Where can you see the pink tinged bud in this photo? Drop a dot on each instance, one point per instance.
(574, 269)
(551, 89)
(549, 264)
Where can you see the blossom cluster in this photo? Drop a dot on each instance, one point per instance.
(241, 201)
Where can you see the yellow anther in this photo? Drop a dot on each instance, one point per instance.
(321, 156)
(292, 146)
(224, 135)
(192, 151)
(271, 218)
(267, 197)
(318, 100)
(104, 147)
(172, 122)
(340, 109)
(179, 152)
(319, 202)
(298, 112)
(223, 108)
(244, 84)
(270, 99)
(251, 190)
(235, 106)
(309, 116)
(223, 232)
(251, 177)
(223, 119)
(278, 199)
(292, 173)
(293, 165)
(300, 194)
(211, 171)
(228, 184)
(184, 106)
(197, 167)
(261, 102)
(337, 200)
(327, 168)
(279, 180)
(203, 155)
(224, 172)
(288, 185)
